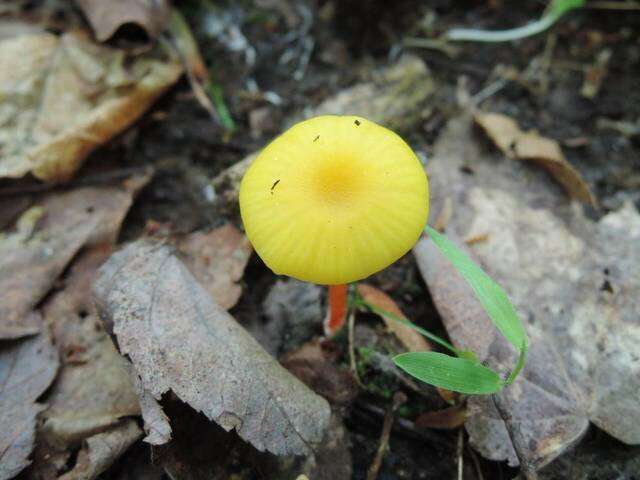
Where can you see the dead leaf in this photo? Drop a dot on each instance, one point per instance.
(156, 422)
(530, 146)
(395, 98)
(27, 367)
(65, 96)
(412, 340)
(102, 450)
(93, 390)
(47, 238)
(179, 339)
(186, 49)
(107, 17)
(575, 284)
(447, 418)
(313, 365)
(217, 260)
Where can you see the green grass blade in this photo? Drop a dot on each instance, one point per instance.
(383, 313)
(492, 297)
(522, 359)
(557, 8)
(456, 374)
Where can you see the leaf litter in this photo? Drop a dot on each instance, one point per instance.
(47, 237)
(64, 96)
(45, 240)
(179, 339)
(217, 260)
(107, 18)
(531, 147)
(27, 368)
(572, 280)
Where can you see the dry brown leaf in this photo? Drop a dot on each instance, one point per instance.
(394, 98)
(576, 285)
(107, 17)
(93, 390)
(412, 340)
(314, 366)
(46, 239)
(100, 451)
(530, 146)
(217, 260)
(179, 339)
(447, 418)
(27, 367)
(65, 96)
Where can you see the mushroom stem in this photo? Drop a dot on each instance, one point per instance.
(337, 309)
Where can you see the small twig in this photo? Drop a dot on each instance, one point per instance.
(527, 469)
(438, 44)
(398, 399)
(459, 453)
(402, 426)
(352, 349)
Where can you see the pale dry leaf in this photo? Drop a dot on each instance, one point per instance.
(156, 422)
(412, 340)
(179, 339)
(93, 390)
(100, 451)
(65, 96)
(107, 17)
(47, 238)
(395, 98)
(217, 260)
(529, 146)
(27, 367)
(572, 280)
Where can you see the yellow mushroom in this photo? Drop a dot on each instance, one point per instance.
(334, 199)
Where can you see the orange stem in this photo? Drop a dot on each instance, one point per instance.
(337, 309)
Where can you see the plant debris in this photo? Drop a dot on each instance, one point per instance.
(584, 282)
(217, 260)
(179, 339)
(47, 237)
(27, 368)
(66, 96)
(100, 451)
(529, 146)
(107, 18)
(412, 340)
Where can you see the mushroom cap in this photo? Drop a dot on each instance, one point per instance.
(334, 199)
